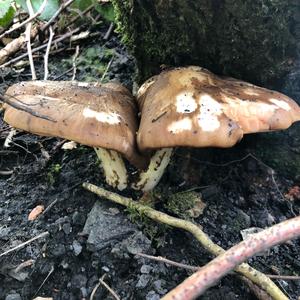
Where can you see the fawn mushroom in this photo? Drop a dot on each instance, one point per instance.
(99, 115)
(192, 107)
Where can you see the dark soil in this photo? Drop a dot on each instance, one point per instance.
(240, 192)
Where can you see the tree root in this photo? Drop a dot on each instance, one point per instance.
(255, 276)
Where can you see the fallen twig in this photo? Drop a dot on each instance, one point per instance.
(169, 262)
(111, 291)
(16, 59)
(41, 235)
(6, 173)
(28, 40)
(46, 57)
(197, 283)
(74, 62)
(255, 276)
(109, 31)
(31, 18)
(14, 46)
(62, 7)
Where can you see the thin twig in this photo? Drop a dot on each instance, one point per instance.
(107, 68)
(284, 277)
(195, 268)
(81, 14)
(41, 235)
(6, 173)
(49, 206)
(255, 276)
(28, 40)
(112, 292)
(101, 281)
(31, 18)
(62, 7)
(109, 31)
(169, 262)
(74, 62)
(44, 281)
(61, 38)
(46, 57)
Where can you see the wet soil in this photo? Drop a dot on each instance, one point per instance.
(239, 191)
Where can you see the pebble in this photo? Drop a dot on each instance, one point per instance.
(77, 248)
(14, 296)
(152, 296)
(146, 269)
(143, 281)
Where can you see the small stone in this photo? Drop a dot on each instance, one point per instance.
(58, 250)
(77, 248)
(146, 269)
(158, 286)
(143, 281)
(152, 296)
(79, 281)
(78, 218)
(13, 296)
(67, 228)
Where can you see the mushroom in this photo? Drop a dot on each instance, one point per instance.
(99, 115)
(190, 106)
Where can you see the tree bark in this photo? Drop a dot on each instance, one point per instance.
(254, 40)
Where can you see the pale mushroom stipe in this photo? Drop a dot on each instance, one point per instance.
(102, 116)
(192, 107)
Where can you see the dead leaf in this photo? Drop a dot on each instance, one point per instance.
(69, 145)
(293, 193)
(36, 212)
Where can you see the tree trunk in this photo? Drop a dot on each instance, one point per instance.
(254, 40)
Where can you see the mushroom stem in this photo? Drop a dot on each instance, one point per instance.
(149, 179)
(114, 168)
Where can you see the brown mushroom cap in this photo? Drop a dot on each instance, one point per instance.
(190, 106)
(98, 115)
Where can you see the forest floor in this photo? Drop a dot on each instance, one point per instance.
(90, 237)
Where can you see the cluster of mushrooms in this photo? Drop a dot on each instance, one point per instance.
(186, 106)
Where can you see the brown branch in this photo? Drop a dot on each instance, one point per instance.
(15, 45)
(196, 284)
(255, 276)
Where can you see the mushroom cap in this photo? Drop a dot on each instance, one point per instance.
(93, 114)
(190, 106)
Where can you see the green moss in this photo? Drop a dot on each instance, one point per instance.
(154, 231)
(54, 171)
(182, 203)
(254, 40)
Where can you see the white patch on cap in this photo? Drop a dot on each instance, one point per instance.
(280, 103)
(104, 117)
(185, 103)
(83, 84)
(210, 109)
(181, 125)
(250, 92)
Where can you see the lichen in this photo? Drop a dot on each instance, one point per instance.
(253, 40)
